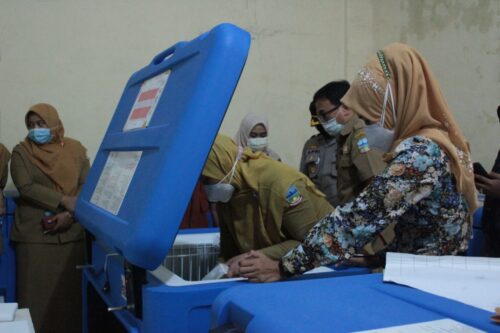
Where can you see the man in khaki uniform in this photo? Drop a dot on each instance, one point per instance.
(262, 204)
(319, 154)
(357, 162)
(318, 162)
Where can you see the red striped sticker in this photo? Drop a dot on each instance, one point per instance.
(150, 94)
(140, 113)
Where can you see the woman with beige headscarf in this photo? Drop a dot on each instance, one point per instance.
(254, 133)
(262, 204)
(426, 191)
(48, 170)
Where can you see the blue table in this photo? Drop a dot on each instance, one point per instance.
(344, 304)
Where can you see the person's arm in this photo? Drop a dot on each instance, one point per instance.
(83, 174)
(296, 221)
(411, 177)
(368, 164)
(38, 194)
(4, 163)
(4, 171)
(490, 185)
(228, 247)
(302, 167)
(276, 251)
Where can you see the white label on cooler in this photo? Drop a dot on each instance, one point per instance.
(146, 102)
(115, 179)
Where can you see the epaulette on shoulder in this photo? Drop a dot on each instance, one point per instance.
(359, 124)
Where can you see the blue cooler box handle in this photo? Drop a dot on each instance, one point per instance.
(164, 55)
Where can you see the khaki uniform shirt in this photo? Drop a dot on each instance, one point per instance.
(36, 196)
(238, 237)
(357, 162)
(318, 162)
(4, 161)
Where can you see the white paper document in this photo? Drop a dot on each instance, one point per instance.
(115, 179)
(7, 311)
(435, 326)
(21, 324)
(15, 327)
(470, 280)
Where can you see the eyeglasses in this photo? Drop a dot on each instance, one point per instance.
(324, 116)
(314, 121)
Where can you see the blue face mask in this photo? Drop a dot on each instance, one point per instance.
(332, 127)
(40, 135)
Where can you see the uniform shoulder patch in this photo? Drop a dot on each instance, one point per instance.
(363, 145)
(293, 196)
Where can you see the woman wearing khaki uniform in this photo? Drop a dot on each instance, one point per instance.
(48, 170)
(270, 206)
(4, 172)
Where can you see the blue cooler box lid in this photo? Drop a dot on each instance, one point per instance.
(155, 147)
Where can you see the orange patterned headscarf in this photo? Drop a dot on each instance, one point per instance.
(420, 106)
(59, 159)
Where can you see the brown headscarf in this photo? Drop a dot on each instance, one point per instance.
(61, 158)
(421, 108)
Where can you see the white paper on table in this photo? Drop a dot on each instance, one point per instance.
(7, 311)
(217, 272)
(435, 326)
(470, 280)
(320, 269)
(15, 327)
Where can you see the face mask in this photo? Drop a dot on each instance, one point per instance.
(40, 135)
(219, 192)
(222, 192)
(378, 136)
(259, 144)
(332, 127)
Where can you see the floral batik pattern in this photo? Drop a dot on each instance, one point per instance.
(416, 190)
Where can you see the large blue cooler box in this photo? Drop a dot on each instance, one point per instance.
(140, 184)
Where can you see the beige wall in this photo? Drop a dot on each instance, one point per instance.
(78, 56)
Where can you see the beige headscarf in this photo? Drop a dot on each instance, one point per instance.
(247, 124)
(59, 159)
(421, 108)
(257, 177)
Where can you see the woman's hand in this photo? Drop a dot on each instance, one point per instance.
(257, 267)
(69, 203)
(233, 265)
(490, 185)
(62, 222)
